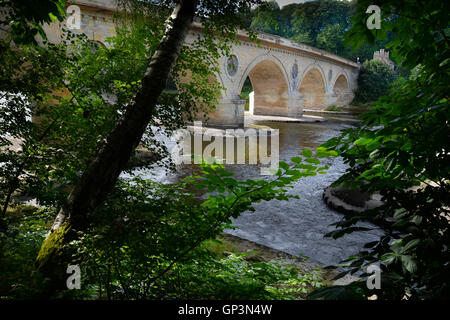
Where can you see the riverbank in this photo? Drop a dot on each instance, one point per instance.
(263, 253)
(338, 110)
(268, 118)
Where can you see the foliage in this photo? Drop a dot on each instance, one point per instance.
(211, 272)
(302, 22)
(23, 19)
(19, 245)
(25, 73)
(331, 39)
(144, 241)
(264, 17)
(78, 94)
(374, 80)
(235, 277)
(334, 108)
(401, 151)
(247, 88)
(148, 241)
(321, 24)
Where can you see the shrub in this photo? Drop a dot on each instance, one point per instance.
(374, 81)
(146, 240)
(19, 245)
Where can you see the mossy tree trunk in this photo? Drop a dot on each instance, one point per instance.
(103, 171)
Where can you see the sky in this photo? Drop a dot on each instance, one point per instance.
(285, 2)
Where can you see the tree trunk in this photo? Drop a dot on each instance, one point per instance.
(113, 156)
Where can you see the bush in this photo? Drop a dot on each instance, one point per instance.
(146, 240)
(374, 81)
(334, 108)
(149, 244)
(114, 267)
(19, 245)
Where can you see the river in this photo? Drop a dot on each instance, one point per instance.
(296, 226)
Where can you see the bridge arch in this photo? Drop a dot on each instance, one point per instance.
(270, 84)
(341, 89)
(313, 87)
(262, 58)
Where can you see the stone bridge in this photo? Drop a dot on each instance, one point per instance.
(286, 76)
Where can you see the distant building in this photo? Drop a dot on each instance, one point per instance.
(384, 57)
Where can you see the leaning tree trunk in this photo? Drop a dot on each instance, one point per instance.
(101, 174)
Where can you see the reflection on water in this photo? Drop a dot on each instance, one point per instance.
(232, 147)
(297, 226)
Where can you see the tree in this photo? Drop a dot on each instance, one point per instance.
(315, 16)
(401, 151)
(331, 39)
(374, 81)
(364, 52)
(265, 18)
(314, 23)
(103, 171)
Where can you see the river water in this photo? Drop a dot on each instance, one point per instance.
(296, 226)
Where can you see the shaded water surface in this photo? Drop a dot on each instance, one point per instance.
(297, 226)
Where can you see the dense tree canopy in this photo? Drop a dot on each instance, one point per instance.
(321, 24)
(374, 80)
(401, 151)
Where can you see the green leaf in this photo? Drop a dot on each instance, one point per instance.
(296, 159)
(307, 153)
(408, 263)
(283, 165)
(411, 244)
(362, 141)
(312, 160)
